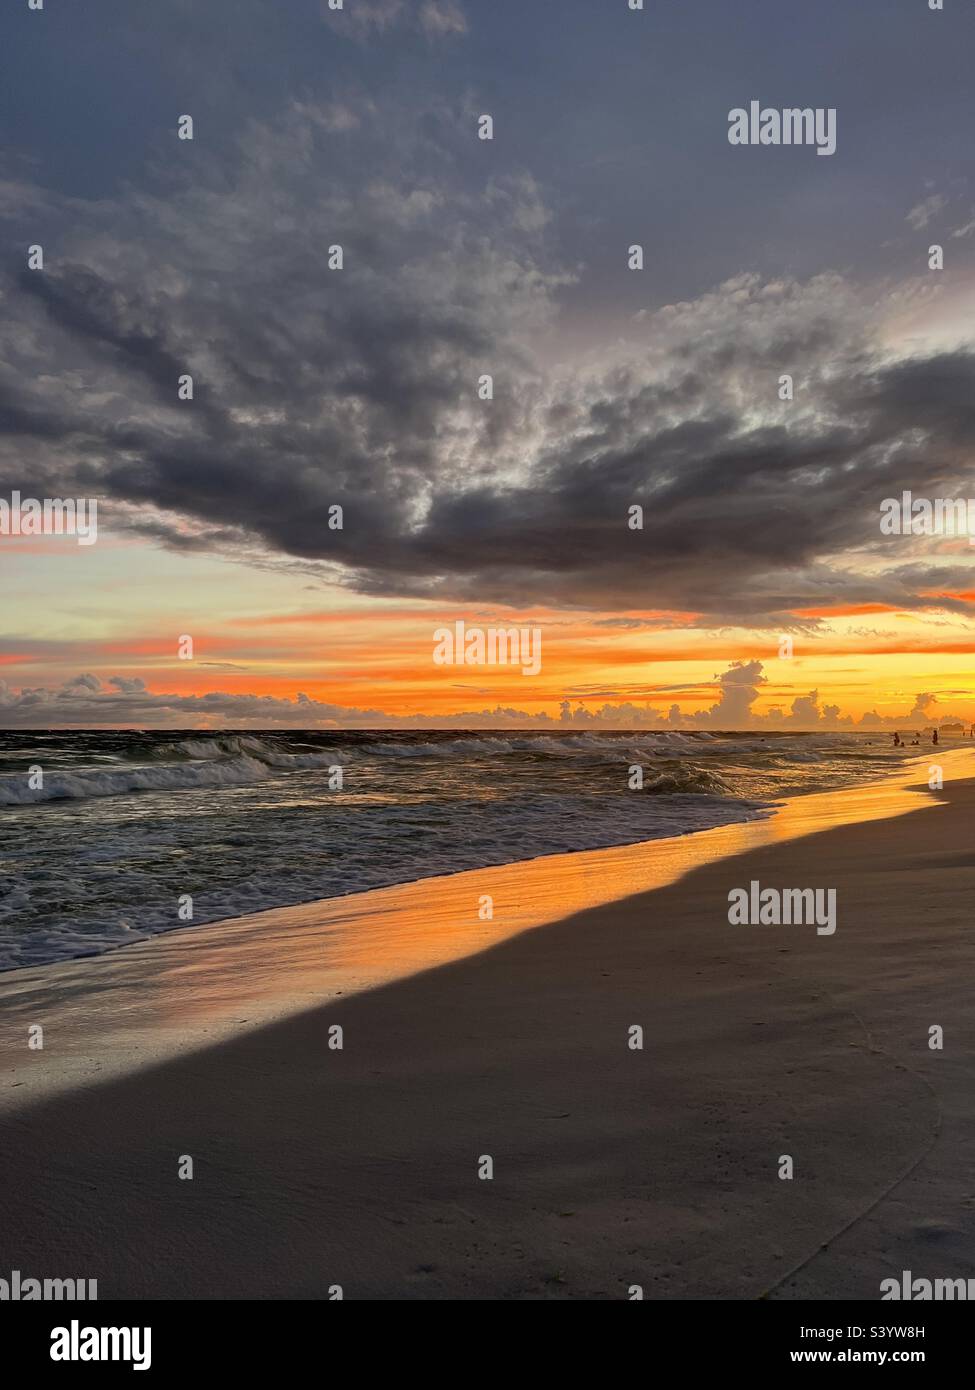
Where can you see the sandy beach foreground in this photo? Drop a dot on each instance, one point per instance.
(613, 1167)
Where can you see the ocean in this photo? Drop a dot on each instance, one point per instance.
(128, 826)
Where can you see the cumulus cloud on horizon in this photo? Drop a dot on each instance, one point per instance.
(85, 701)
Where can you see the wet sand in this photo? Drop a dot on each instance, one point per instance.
(613, 1167)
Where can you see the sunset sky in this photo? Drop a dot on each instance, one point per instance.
(358, 387)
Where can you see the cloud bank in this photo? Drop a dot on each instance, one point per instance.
(87, 702)
(358, 387)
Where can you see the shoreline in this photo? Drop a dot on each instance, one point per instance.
(228, 891)
(768, 810)
(613, 1167)
(207, 982)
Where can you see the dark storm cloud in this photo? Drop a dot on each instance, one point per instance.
(358, 387)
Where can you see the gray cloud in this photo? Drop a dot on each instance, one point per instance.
(435, 18)
(359, 387)
(922, 213)
(79, 703)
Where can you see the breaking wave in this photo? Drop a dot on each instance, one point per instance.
(686, 781)
(15, 790)
(133, 820)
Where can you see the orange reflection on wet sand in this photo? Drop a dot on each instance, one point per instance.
(190, 988)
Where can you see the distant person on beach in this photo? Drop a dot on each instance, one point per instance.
(897, 740)
(934, 738)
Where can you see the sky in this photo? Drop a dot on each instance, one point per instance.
(761, 589)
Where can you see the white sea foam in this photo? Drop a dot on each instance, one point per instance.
(126, 824)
